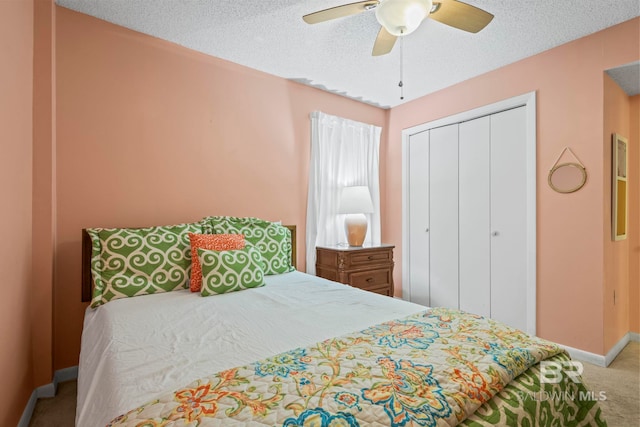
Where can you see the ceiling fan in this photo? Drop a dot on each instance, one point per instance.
(402, 17)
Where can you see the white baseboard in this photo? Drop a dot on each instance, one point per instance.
(585, 356)
(47, 390)
(66, 374)
(25, 419)
(598, 359)
(616, 349)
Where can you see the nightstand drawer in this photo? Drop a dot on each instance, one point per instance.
(368, 258)
(369, 268)
(371, 278)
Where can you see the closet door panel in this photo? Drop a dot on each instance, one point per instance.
(509, 218)
(474, 213)
(443, 216)
(419, 218)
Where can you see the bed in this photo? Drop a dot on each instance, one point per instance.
(302, 350)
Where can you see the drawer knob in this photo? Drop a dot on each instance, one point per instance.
(370, 257)
(370, 279)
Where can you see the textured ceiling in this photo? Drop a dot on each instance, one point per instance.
(628, 77)
(336, 55)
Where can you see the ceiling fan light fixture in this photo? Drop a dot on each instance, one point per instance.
(402, 17)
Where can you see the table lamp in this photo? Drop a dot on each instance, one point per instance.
(355, 202)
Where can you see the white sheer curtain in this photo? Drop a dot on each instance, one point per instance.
(343, 153)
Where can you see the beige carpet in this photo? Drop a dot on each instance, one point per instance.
(58, 411)
(620, 383)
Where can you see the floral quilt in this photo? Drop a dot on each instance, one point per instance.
(433, 368)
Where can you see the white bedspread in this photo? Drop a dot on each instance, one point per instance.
(136, 348)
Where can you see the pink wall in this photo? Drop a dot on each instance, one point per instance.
(151, 133)
(16, 25)
(568, 81)
(43, 190)
(634, 214)
(616, 253)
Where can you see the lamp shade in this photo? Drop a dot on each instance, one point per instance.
(356, 199)
(402, 17)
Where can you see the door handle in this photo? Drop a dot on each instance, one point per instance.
(495, 233)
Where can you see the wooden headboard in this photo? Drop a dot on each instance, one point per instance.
(87, 283)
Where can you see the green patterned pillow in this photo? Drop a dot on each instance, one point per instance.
(208, 223)
(230, 271)
(128, 262)
(272, 239)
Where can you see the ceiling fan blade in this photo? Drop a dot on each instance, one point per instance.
(460, 15)
(384, 42)
(340, 11)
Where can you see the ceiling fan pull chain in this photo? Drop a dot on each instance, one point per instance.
(401, 85)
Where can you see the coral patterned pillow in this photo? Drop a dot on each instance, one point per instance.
(216, 242)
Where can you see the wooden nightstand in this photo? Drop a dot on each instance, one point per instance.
(368, 267)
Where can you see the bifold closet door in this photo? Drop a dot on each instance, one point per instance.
(417, 229)
(443, 216)
(474, 216)
(509, 218)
